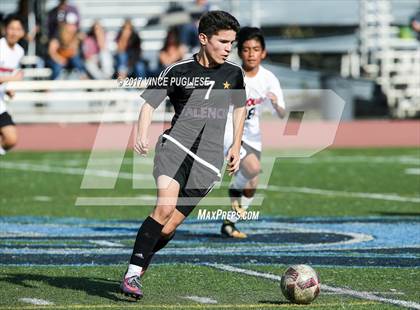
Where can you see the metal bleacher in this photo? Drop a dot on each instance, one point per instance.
(393, 62)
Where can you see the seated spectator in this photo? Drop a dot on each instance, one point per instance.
(98, 59)
(25, 8)
(63, 51)
(415, 24)
(61, 14)
(189, 31)
(128, 58)
(172, 50)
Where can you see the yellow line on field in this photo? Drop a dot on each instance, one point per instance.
(201, 306)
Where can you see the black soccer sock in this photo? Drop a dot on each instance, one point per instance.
(147, 238)
(162, 242)
(235, 193)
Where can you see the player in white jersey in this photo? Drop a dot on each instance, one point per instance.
(10, 55)
(263, 90)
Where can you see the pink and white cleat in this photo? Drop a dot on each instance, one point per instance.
(132, 287)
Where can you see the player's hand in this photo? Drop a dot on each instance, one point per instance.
(18, 76)
(141, 146)
(234, 160)
(273, 98)
(10, 93)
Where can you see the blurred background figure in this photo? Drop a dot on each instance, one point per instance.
(98, 58)
(61, 14)
(63, 50)
(172, 51)
(24, 11)
(415, 24)
(128, 58)
(189, 31)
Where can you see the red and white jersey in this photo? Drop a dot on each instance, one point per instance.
(9, 62)
(257, 88)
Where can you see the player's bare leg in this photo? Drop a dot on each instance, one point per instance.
(241, 193)
(8, 138)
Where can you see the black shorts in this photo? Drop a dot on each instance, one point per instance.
(250, 150)
(6, 120)
(195, 180)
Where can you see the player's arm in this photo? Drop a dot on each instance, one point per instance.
(281, 112)
(275, 95)
(145, 119)
(17, 76)
(233, 158)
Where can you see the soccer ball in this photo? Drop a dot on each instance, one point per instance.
(300, 284)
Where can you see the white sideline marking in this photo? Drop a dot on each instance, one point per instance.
(106, 243)
(414, 171)
(42, 198)
(36, 301)
(130, 176)
(337, 290)
(317, 191)
(201, 300)
(106, 161)
(376, 293)
(75, 171)
(409, 160)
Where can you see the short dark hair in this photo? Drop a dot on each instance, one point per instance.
(250, 33)
(214, 21)
(13, 17)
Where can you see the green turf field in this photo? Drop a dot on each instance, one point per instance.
(311, 210)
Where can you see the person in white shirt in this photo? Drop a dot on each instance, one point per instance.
(263, 89)
(10, 55)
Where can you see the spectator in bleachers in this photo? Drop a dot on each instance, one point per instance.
(63, 13)
(129, 61)
(172, 50)
(25, 8)
(415, 24)
(63, 51)
(98, 59)
(189, 31)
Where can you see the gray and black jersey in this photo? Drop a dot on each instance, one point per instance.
(201, 98)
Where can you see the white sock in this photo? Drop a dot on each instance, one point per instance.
(133, 270)
(2, 151)
(239, 181)
(246, 202)
(232, 217)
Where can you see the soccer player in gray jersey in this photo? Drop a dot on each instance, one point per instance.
(189, 155)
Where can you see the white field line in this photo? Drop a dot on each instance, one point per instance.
(327, 288)
(319, 191)
(106, 243)
(74, 171)
(201, 300)
(130, 176)
(414, 171)
(376, 293)
(36, 301)
(42, 198)
(409, 160)
(333, 193)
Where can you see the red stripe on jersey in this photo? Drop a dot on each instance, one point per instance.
(5, 69)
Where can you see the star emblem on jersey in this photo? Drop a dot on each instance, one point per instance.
(226, 85)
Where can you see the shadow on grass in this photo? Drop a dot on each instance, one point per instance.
(400, 213)
(274, 302)
(92, 286)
